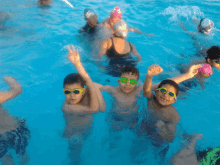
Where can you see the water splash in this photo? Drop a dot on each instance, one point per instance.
(192, 12)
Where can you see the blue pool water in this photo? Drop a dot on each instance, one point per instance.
(33, 49)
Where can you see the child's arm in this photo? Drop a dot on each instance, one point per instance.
(152, 71)
(103, 48)
(136, 30)
(75, 59)
(15, 90)
(104, 87)
(193, 70)
(135, 52)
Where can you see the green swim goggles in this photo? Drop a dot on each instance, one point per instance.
(164, 90)
(131, 81)
(76, 91)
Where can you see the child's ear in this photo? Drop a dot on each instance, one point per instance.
(118, 82)
(84, 91)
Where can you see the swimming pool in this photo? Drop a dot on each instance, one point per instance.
(33, 50)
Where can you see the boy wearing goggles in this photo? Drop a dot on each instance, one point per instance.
(163, 117)
(79, 106)
(14, 133)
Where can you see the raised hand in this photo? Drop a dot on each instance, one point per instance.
(154, 70)
(73, 55)
(193, 70)
(13, 83)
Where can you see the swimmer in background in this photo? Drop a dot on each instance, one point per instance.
(91, 21)
(212, 60)
(162, 116)
(205, 26)
(45, 2)
(188, 155)
(14, 133)
(115, 16)
(117, 47)
(79, 106)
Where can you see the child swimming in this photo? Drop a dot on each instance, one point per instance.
(212, 60)
(125, 95)
(79, 106)
(14, 133)
(115, 16)
(162, 117)
(92, 21)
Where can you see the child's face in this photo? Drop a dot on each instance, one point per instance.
(164, 98)
(73, 98)
(92, 21)
(214, 63)
(127, 87)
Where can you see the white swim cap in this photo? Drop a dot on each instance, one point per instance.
(206, 24)
(121, 29)
(88, 13)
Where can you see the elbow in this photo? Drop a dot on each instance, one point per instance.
(147, 94)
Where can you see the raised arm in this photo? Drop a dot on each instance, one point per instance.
(75, 59)
(15, 90)
(135, 52)
(103, 48)
(193, 70)
(152, 71)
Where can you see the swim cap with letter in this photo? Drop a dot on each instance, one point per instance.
(88, 13)
(206, 70)
(120, 29)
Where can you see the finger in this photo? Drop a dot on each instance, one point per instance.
(72, 47)
(69, 49)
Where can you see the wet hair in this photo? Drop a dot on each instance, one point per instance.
(213, 53)
(170, 82)
(73, 78)
(130, 69)
(212, 154)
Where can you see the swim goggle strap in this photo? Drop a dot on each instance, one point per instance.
(217, 62)
(164, 90)
(131, 81)
(211, 157)
(75, 91)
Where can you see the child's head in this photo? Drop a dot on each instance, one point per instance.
(115, 15)
(205, 25)
(45, 2)
(73, 85)
(213, 56)
(91, 17)
(209, 156)
(167, 92)
(128, 79)
(120, 29)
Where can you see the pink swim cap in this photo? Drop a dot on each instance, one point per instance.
(206, 70)
(115, 14)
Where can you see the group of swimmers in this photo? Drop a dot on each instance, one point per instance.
(81, 103)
